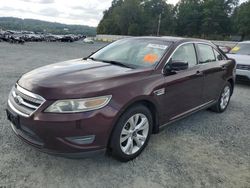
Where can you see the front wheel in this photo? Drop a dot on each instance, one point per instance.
(224, 99)
(131, 133)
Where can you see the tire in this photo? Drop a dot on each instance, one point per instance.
(126, 133)
(225, 95)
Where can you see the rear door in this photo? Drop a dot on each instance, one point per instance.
(213, 65)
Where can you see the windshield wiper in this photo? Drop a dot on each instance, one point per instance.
(112, 62)
(117, 63)
(93, 59)
(86, 58)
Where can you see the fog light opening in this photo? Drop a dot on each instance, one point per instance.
(82, 140)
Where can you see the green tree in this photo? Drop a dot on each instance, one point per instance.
(130, 18)
(10, 23)
(189, 17)
(152, 10)
(122, 18)
(216, 16)
(137, 17)
(193, 18)
(108, 24)
(241, 19)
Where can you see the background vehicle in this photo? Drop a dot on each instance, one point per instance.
(28, 36)
(88, 40)
(225, 49)
(241, 53)
(119, 96)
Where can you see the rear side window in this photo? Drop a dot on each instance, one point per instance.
(186, 53)
(206, 54)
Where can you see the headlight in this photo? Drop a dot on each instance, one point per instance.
(78, 105)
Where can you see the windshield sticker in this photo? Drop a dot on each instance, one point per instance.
(150, 58)
(157, 46)
(236, 49)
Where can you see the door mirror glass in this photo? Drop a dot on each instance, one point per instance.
(179, 65)
(175, 65)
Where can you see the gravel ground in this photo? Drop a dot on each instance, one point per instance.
(203, 150)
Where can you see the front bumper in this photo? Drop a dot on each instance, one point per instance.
(24, 137)
(55, 133)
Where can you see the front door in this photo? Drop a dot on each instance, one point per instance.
(183, 90)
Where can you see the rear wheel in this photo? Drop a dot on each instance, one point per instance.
(131, 133)
(224, 99)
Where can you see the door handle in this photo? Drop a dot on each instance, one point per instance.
(199, 73)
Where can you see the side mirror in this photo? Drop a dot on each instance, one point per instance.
(175, 65)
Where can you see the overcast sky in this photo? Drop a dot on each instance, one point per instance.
(83, 12)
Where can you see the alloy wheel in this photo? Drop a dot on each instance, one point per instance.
(225, 97)
(134, 134)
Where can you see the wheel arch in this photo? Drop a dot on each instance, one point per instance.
(153, 109)
(147, 103)
(231, 81)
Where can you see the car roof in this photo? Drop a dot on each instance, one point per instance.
(174, 39)
(248, 42)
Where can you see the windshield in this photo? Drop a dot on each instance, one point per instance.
(135, 52)
(242, 48)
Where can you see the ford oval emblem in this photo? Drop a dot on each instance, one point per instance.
(18, 99)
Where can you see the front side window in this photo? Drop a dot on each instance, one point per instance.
(186, 53)
(134, 52)
(206, 54)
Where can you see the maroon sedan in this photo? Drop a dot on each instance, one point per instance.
(116, 98)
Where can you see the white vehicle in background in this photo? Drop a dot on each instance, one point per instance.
(241, 53)
(88, 40)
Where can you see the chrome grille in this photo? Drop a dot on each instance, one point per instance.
(243, 67)
(24, 102)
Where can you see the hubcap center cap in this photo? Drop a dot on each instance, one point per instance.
(134, 134)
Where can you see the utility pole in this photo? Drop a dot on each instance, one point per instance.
(159, 26)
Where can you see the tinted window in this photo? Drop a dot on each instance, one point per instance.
(206, 53)
(219, 57)
(186, 53)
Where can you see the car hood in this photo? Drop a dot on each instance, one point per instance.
(240, 59)
(75, 78)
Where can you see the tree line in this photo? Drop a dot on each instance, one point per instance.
(211, 19)
(10, 23)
